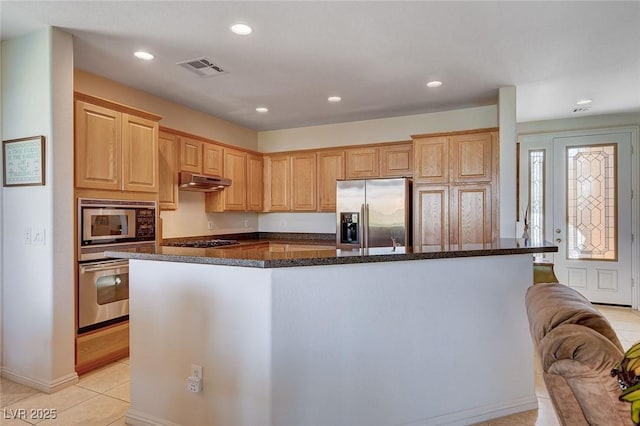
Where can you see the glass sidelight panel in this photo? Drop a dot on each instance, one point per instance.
(536, 195)
(591, 202)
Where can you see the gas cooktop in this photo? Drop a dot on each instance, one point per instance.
(201, 243)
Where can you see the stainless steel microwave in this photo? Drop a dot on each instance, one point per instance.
(115, 221)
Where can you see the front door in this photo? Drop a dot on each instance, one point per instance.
(592, 215)
(575, 189)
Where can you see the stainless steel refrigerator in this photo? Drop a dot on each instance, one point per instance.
(373, 213)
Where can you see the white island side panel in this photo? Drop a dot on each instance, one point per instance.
(441, 341)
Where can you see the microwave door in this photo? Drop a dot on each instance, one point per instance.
(108, 224)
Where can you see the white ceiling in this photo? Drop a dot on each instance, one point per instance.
(377, 56)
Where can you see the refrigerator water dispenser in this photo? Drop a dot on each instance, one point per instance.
(349, 228)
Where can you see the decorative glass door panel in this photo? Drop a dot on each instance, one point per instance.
(591, 202)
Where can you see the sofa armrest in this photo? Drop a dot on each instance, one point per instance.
(584, 359)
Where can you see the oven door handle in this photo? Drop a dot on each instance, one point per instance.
(104, 266)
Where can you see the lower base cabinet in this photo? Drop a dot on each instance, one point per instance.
(101, 347)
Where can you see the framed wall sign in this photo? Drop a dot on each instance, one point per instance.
(24, 161)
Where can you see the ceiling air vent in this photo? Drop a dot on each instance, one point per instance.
(202, 66)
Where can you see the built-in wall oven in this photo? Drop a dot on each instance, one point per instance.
(103, 283)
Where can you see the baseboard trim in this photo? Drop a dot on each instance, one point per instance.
(41, 385)
(480, 414)
(137, 418)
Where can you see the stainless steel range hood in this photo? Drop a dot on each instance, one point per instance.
(193, 182)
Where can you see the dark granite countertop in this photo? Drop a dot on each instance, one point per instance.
(250, 254)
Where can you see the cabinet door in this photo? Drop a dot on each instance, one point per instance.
(303, 182)
(140, 154)
(235, 168)
(396, 160)
(98, 151)
(254, 182)
(471, 157)
(212, 160)
(168, 171)
(190, 155)
(363, 163)
(470, 219)
(431, 215)
(330, 169)
(277, 183)
(431, 160)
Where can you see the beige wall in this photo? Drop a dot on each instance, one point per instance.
(173, 115)
(379, 130)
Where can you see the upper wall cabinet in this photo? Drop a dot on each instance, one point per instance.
(331, 167)
(197, 156)
(233, 197)
(277, 182)
(363, 163)
(456, 158)
(471, 157)
(396, 160)
(116, 147)
(387, 160)
(254, 182)
(303, 181)
(168, 148)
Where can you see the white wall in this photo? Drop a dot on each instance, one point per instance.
(38, 285)
(191, 220)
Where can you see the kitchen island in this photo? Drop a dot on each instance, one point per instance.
(378, 337)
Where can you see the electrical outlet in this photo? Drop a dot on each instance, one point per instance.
(209, 225)
(194, 381)
(196, 371)
(246, 223)
(27, 235)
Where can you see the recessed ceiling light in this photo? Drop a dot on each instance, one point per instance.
(434, 83)
(241, 29)
(584, 102)
(334, 98)
(145, 56)
(262, 109)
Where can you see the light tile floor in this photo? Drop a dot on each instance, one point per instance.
(101, 398)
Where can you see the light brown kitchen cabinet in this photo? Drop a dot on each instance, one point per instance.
(303, 181)
(233, 197)
(455, 188)
(277, 182)
(115, 149)
(396, 160)
(190, 155)
(254, 182)
(213, 159)
(197, 156)
(140, 154)
(431, 159)
(363, 163)
(331, 167)
(431, 209)
(168, 148)
(471, 157)
(470, 219)
(98, 150)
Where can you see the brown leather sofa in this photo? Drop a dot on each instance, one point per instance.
(577, 349)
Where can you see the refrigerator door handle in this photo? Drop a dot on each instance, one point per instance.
(362, 227)
(366, 234)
